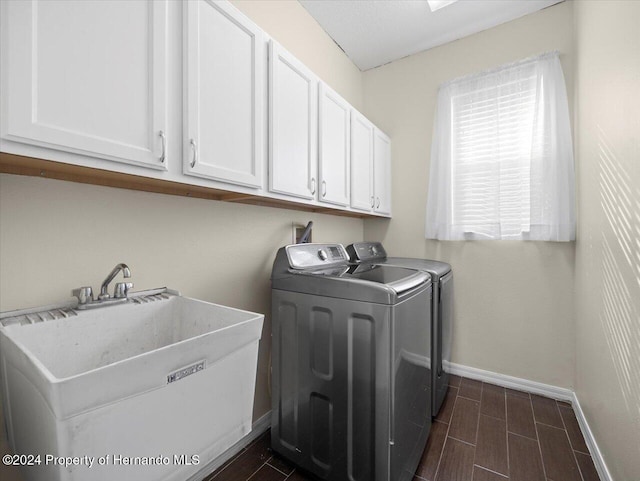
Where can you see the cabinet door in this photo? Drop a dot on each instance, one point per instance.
(293, 126)
(382, 172)
(333, 147)
(87, 77)
(224, 75)
(361, 162)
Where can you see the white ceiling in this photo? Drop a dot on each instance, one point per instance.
(375, 32)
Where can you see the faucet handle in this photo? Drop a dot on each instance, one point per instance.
(121, 290)
(84, 295)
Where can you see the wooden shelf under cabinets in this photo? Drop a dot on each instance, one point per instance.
(21, 165)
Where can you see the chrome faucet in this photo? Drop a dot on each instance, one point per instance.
(120, 292)
(121, 287)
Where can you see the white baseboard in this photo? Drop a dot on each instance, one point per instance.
(596, 455)
(259, 427)
(559, 393)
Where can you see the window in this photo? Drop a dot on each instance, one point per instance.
(501, 157)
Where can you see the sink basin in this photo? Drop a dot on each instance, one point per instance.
(160, 375)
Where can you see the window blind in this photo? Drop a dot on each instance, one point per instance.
(495, 143)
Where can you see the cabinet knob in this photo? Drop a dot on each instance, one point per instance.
(324, 188)
(377, 202)
(163, 154)
(372, 202)
(313, 184)
(195, 153)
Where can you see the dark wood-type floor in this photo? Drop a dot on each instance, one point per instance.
(483, 433)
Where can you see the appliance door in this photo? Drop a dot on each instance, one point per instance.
(411, 394)
(331, 380)
(442, 336)
(401, 279)
(445, 320)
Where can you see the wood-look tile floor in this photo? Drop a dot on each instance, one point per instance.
(482, 433)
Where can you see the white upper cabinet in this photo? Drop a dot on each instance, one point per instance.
(381, 172)
(293, 125)
(225, 69)
(370, 167)
(361, 163)
(92, 82)
(87, 77)
(333, 147)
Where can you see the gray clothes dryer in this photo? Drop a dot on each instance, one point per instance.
(441, 309)
(351, 381)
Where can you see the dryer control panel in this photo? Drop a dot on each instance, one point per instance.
(313, 256)
(366, 251)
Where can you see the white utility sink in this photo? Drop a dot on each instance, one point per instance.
(160, 375)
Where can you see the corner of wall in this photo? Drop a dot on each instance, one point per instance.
(290, 24)
(607, 270)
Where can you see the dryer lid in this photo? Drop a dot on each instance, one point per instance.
(400, 279)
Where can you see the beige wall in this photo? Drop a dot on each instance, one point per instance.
(514, 300)
(608, 245)
(55, 235)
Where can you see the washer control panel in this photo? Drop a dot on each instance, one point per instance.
(311, 256)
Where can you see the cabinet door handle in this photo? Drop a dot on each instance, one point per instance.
(324, 188)
(195, 153)
(372, 202)
(378, 202)
(163, 137)
(313, 183)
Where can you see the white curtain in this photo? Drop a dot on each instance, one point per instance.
(502, 157)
